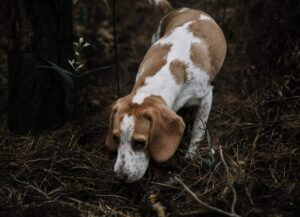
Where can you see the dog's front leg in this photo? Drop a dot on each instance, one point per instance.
(199, 126)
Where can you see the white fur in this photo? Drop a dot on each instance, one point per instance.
(129, 163)
(183, 9)
(157, 2)
(155, 36)
(204, 17)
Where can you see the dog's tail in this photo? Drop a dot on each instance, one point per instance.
(164, 5)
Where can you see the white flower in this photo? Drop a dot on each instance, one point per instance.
(86, 44)
(77, 53)
(80, 40)
(79, 67)
(71, 62)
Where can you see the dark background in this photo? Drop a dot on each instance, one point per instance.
(255, 118)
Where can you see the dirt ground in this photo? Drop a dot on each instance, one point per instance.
(253, 128)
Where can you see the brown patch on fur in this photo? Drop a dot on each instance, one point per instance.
(150, 101)
(142, 129)
(154, 60)
(178, 70)
(199, 57)
(211, 33)
(115, 118)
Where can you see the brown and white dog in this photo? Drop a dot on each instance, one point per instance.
(176, 72)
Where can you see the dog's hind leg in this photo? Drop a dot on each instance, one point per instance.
(199, 126)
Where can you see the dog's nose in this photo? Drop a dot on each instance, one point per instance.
(121, 176)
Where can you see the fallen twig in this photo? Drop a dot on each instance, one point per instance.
(228, 182)
(202, 203)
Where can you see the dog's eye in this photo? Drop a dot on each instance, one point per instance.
(116, 139)
(138, 144)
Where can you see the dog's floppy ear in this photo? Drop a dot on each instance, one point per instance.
(117, 110)
(109, 143)
(166, 131)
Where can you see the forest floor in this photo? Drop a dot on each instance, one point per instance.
(253, 128)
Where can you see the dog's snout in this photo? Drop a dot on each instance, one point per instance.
(121, 176)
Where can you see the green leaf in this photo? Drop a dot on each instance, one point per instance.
(67, 76)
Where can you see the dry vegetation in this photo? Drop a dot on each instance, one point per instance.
(253, 127)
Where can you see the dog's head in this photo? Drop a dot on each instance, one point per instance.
(140, 132)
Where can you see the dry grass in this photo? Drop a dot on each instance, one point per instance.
(259, 164)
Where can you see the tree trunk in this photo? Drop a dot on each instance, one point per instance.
(41, 30)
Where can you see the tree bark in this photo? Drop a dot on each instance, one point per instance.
(41, 30)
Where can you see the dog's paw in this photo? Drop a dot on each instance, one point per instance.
(189, 156)
(191, 153)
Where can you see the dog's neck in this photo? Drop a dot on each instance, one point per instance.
(156, 86)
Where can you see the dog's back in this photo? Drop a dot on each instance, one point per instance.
(210, 54)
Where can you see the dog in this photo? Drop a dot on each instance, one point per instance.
(176, 72)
